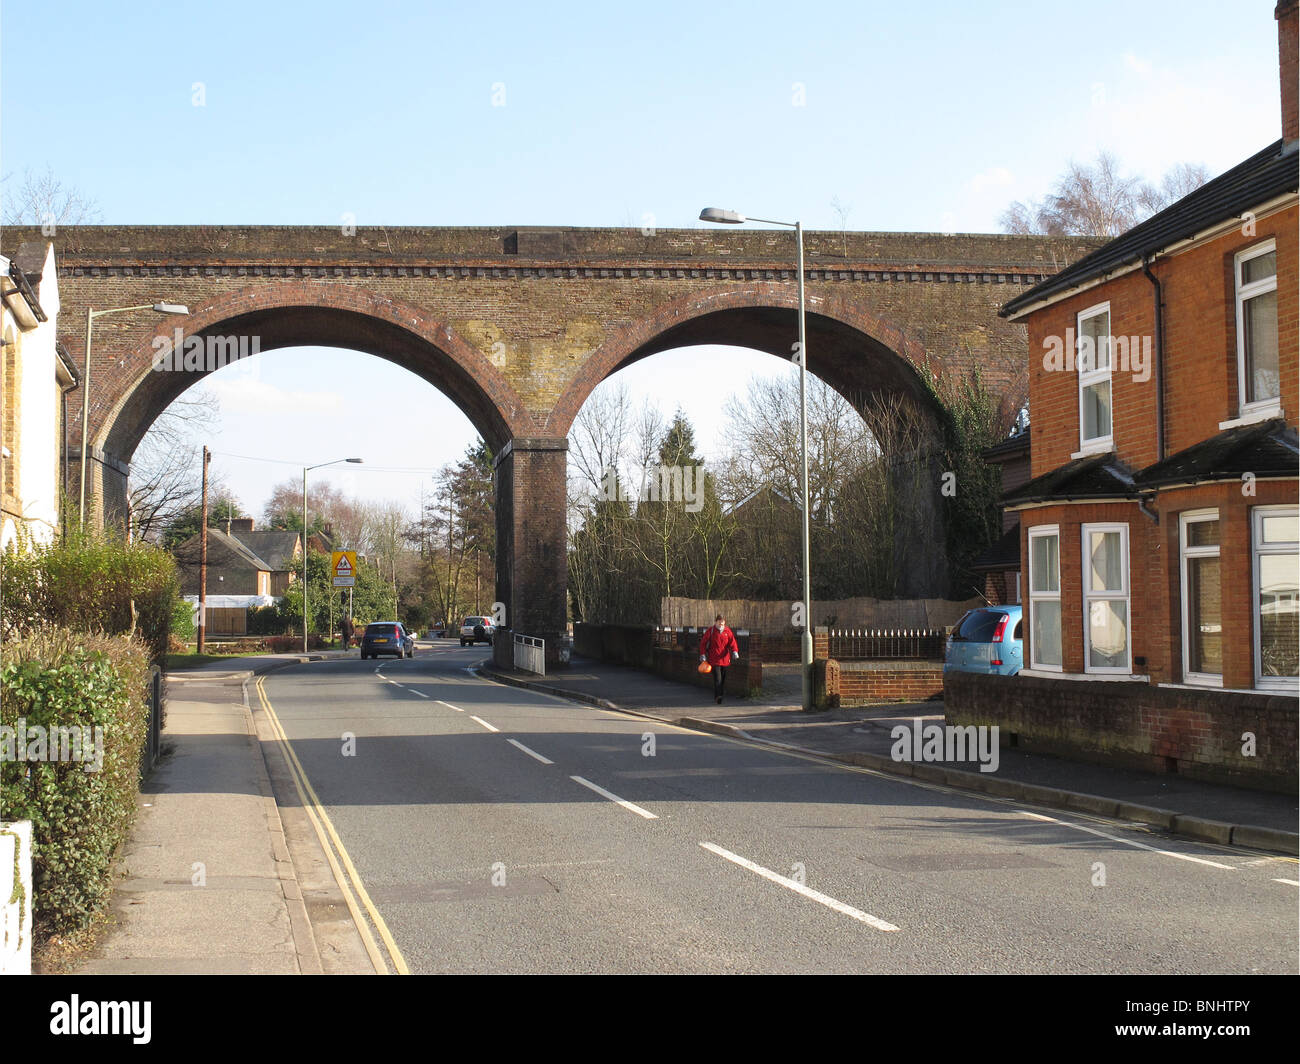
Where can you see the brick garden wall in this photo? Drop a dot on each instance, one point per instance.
(910, 681)
(1158, 729)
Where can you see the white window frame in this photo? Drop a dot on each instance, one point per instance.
(1123, 595)
(1262, 408)
(1096, 444)
(1257, 547)
(1044, 532)
(1191, 517)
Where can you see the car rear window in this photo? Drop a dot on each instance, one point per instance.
(979, 626)
(381, 629)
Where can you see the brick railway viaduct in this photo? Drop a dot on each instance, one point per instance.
(518, 325)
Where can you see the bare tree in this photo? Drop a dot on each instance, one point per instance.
(42, 199)
(1097, 200)
(166, 470)
(842, 212)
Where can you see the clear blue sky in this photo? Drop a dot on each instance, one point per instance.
(914, 116)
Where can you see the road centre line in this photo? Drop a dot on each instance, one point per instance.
(800, 888)
(1292, 882)
(449, 705)
(1126, 842)
(615, 798)
(485, 724)
(839, 766)
(530, 753)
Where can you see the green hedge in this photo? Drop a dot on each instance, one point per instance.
(79, 818)
(88, 583)
(183, 626)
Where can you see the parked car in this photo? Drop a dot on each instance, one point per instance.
(988, 640)
(386, 637)
(476, 630)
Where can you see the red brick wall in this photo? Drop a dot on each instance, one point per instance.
(683, 666)
(1200, 350)
(1193, 733)
(895, 680)
(1155, 596)
(1285, 13)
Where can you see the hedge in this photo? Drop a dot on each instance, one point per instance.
(79, 817)
(89, 583)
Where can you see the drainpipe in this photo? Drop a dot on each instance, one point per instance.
(1160, 358)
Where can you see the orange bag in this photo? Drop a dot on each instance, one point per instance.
(705, 667)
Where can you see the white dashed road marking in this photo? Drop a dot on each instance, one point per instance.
(799, 888)
(615, 798)
(530, 753)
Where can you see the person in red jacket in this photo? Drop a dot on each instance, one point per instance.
(719, 648)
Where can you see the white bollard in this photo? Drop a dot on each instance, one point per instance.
(16, 927)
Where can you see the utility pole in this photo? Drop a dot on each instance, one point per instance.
(203, 556)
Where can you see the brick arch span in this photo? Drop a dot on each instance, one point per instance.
(298, 314)
(854, 351)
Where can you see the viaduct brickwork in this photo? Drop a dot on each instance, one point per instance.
(518, 325)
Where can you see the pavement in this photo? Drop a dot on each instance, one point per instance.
(207, 885)
(862, 736)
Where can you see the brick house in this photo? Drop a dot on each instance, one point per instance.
(281, 551)
(1159, 529)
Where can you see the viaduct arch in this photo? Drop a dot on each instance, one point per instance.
(518, 326)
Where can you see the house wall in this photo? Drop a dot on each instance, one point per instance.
(32, 421)
(1200, 350)
(1155, 594)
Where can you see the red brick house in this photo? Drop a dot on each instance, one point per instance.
(1159, 530)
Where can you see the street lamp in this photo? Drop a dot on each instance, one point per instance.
(320, 465)
(91, 315)
(717, 214)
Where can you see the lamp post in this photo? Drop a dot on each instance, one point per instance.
(320, 465)
(717, 214)
(91, 315)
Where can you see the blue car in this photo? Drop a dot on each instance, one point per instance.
(988, 640)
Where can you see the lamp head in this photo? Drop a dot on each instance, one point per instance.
(717, 214)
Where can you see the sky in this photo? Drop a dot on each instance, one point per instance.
(913, 117)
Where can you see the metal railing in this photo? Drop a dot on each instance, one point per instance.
(920, 644)
(530, 654)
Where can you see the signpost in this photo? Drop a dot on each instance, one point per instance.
(343, 564)
(343, 568)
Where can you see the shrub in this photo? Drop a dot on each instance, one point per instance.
(91, 583)
(79, 818)
(183, 626)
(266, 620)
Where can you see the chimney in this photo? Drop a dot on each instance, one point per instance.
(241, 524)
(1285, 13)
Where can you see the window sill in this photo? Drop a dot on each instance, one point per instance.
(1228, 690)
(1090, 449)
(1252, 417)
(1044, 674)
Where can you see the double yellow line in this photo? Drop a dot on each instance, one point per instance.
(326, 834)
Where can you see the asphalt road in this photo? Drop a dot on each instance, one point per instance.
(458, 806)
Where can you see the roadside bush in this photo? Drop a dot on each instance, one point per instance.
(183, 626)
(287, 644)
(80, 818)
(90, 583)
(266, 620)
